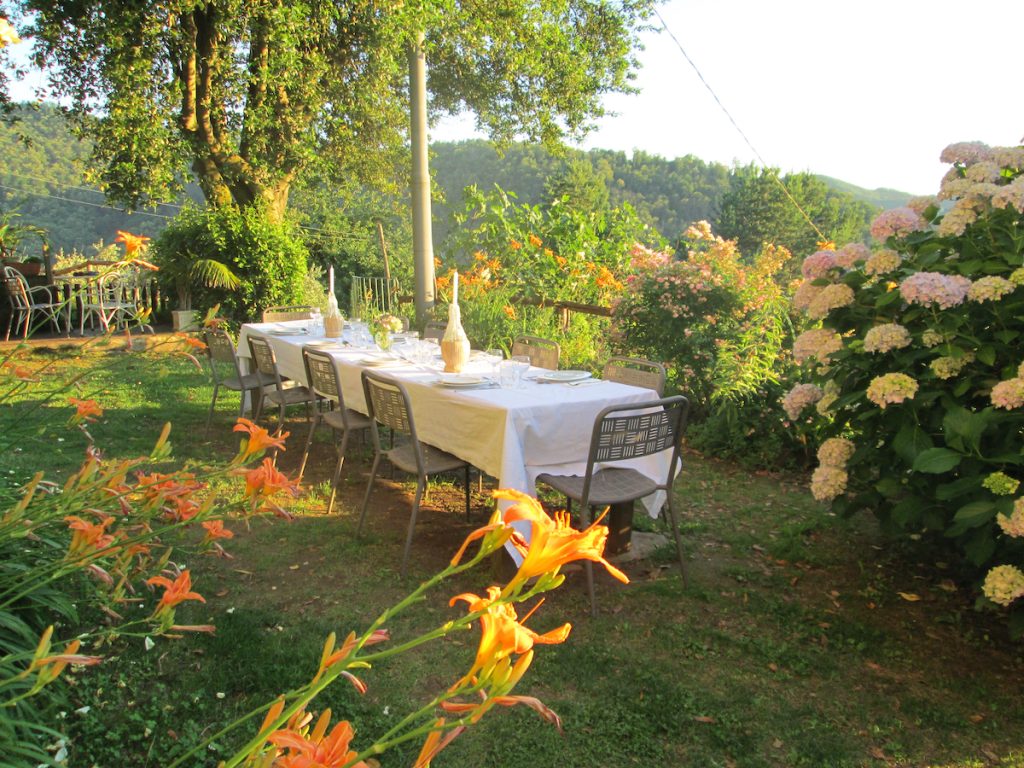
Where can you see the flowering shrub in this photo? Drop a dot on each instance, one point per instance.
(105, 537)
(719, 324)
(920, 351)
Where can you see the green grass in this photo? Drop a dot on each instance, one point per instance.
(790, 647)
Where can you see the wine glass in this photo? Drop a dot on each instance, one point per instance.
(494, 356)
(522, 365)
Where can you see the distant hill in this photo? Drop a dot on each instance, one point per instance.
(42, 181)
(879, 198)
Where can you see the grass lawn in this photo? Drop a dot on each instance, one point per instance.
(802, 639)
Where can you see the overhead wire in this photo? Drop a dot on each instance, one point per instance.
(749, 143)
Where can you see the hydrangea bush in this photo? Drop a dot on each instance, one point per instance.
(918, 366)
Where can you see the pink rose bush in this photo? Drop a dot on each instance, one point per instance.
(912, 350)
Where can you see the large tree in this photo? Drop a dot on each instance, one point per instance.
(757, 210)
(252, 93)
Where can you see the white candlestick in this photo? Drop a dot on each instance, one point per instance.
(455, 288)
(330, 273)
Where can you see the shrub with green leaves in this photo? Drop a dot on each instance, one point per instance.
(268, 257)
(917, 366)
(718, 323)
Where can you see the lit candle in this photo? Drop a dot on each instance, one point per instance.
(330, 273)
(455, 288)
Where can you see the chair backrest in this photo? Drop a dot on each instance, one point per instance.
(543, 353)
(289, 312)
(220, 351)
(387, 403)
(434, 329)
(322, 375)
(639, 429)
(265, 361)
(637, 372)
(16, 288)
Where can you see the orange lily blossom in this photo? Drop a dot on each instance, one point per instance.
(51, 666)
(532, 702)
(535, 241)
(320, 749)
(259, 439)
(553, 542)
(88, 536)
(501, 634)
(265, 480)
(132, 243)
(215, 530)
(86, 410)
(176, 592)
(434, 742)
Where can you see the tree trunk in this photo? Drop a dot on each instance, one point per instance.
(422, 236)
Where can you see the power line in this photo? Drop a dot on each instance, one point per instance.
(84, 202)
(735, 125)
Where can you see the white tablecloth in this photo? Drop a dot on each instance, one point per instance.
(511, 434)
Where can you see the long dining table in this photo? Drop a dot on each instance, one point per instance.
(511, 434)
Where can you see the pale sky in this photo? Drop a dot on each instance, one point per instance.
(868, 91)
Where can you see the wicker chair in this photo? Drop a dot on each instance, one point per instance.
(626, 432)
(543, 353)
(289, 312)
(388, 404)
(637, 372)
(266, 364)
(325, 384)
(227, 372)
(26, 302)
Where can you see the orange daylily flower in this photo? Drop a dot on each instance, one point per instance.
(510, 311)
(561, 261)
(86, 410)
(259, 439)
(532, 702)
(50, 667)
(215, 530)
(826, 245)
(88, 536)
(266, 481)
(435, 742)
(176, 592)
(535, 241)
(132, 243)
(501, 632)
(480, 255)
(515, 245)
(553, 542)
(195, 343)
(320, 749)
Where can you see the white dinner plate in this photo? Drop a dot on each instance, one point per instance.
(322, 343)
(461, 380)
(564, 376)
(286, 332)
(379, 362)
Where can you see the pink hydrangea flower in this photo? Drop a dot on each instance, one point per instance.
(835, 452)
(966, 153)
(1014, 524)
(818, 265)
(1010, 196)
(922, 203)
(991, 288)
(818, 343)
(805, 293)
(927, 288)
(886, 337)
(831, 297)
(798, 398)
(1003, 584)
(948, 367)
(1008, 394)
(956, 220)
(896, 222)
(883, 261)
(1017, 276)
(851, 253)
(828, 482)
(984, 171)
(890, 389)
(1011, 158)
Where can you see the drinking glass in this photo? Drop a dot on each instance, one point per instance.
(523, 365)
(508, 374)
(316, 322)
(494, 357)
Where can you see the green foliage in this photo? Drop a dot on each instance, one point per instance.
(925, 381)
(756, 211)
(718, 324)
(203, 249)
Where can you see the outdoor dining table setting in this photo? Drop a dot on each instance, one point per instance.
(510, 420)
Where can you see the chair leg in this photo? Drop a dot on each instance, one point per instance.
(679, 541)
(213, 402)
(467, 493)
(421, 481)
(337, 470)
(309, 444)
(369, 490)
(588, 567)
